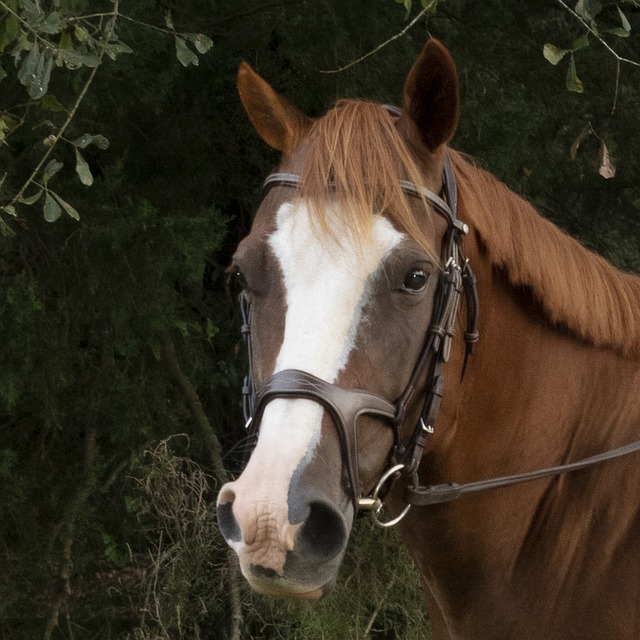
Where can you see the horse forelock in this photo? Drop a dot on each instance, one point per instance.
(576, 288)
(357, 149)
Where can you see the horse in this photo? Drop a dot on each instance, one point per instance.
(372, 383)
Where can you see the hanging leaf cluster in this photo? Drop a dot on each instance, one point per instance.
(589, 12)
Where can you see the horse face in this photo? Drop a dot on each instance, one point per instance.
(352, 315)
(350, 310)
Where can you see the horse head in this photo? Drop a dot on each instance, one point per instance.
(341, 272)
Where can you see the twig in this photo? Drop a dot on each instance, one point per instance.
(376, 611)
(46, 43)
(149, 26)
(615, 92)
(385, 43)
(237, 619)
(596, 35)
(170, 358)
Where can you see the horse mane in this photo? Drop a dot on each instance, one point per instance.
(356, 148)
(576, 288)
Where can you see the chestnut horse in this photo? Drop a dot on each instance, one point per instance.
(343, 273)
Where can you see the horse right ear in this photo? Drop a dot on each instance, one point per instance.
(275, 119)
(431, 96)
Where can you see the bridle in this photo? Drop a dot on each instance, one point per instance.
(346, 405)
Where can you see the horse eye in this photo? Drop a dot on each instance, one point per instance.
(236, 281)
(415, 280)
(241, 281)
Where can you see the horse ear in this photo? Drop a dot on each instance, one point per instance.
(431, 95)
(276, 120)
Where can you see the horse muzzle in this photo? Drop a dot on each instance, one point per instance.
(291, 547)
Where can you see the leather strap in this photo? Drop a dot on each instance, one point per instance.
(439, 493)
(344, 406)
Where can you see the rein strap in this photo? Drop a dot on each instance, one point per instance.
(439, 493)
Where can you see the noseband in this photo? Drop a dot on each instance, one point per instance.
(346, 405)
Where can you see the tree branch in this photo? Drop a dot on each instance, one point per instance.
(73, 111)
(424, 11)
(170, 357)
(596, 35)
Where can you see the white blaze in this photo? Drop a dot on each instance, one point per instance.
(325, 283)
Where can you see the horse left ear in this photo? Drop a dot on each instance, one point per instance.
(280, 124)
(431, 95)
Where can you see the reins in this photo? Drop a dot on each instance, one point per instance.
(346, 405)
(436, 494)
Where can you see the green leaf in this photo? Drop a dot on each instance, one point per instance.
(184, 54)
(211, 329)
(66, 41)
(201, 42)
(51, 210)
(66, 206)
(50, 103)
(52, 24)
(553, 54)
(7, 125)
(83, 171)
(80, 33)
(29, 63)
(9, 31)
(86, 139)
(625, 23)
(32, 10)
(35, 71)
(31, 199)
(113, 49)
(625, 30)
(619, 31)
(573, 82)
(74, 59)
(10, 209)
(588, 9)
(580, 43)
(100, 141)
(5, 229)
(53, 166)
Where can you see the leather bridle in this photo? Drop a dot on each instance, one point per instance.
(346, 405)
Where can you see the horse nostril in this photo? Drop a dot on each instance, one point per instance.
(324, 532)
(227, 522)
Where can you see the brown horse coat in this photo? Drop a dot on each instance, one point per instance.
(554, 379)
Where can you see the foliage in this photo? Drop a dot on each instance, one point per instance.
(120, 232)
(63, 36)
(597, 21)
